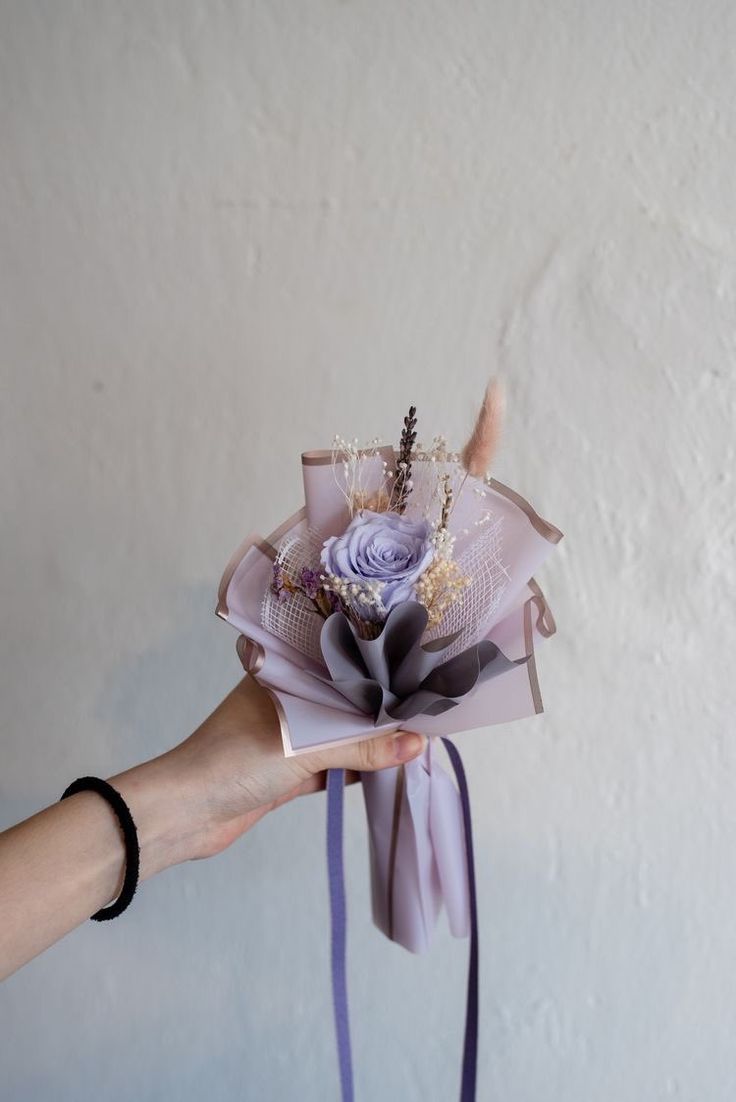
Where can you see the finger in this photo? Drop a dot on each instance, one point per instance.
(369, 755)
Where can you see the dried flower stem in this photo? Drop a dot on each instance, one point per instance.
(446, 501)
(402, 483)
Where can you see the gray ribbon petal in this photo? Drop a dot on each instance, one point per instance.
(403, 630)
(493, 662)
(455, 677)
(419, 663)
(367, 695)
(424, 703)
(340, 649)
(395, 677)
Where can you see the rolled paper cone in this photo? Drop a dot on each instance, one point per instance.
(417, 851)
(325, 488)
(448, 845)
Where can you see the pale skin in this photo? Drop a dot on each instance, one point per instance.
(66, 862)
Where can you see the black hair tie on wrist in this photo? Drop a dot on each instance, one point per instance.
(130, 836)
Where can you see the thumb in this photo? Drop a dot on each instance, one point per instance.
(370, 754)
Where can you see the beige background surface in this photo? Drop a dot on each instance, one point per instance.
(230, 230)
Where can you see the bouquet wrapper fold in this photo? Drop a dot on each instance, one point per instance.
(416, 837)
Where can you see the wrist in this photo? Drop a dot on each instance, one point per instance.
(194, 800)
(164, 800)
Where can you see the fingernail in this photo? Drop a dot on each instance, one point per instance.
(407, 746)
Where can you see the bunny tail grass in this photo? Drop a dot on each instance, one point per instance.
(480, 449)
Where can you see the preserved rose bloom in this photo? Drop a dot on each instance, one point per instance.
(381, 549)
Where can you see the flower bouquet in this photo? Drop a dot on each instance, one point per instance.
(401, 595)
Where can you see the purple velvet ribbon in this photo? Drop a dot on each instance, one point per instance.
(338, 922)
(470, 1047)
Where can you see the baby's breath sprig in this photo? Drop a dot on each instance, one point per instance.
(360, 601)
(402, 483)
(440, 586)
(442, 583)
(347, 468)
(377, 502)
(437, 453)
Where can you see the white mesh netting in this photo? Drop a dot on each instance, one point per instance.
(481, 562)
(295, 619)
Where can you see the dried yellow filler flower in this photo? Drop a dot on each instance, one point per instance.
(378, 502)
(440, 586)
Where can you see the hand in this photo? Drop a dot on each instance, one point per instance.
(232, 771)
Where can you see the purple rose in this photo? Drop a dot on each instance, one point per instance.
(382, 548)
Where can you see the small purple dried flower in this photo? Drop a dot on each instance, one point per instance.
(277, 583)
(310, 582)
(333, 601)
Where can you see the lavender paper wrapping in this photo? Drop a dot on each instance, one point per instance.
(414, 813)
(416, 851)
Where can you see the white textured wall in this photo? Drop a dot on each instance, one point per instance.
(229, 230)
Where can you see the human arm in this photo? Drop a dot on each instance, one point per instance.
(64, 863)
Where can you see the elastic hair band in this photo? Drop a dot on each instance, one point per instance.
(130, 836)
